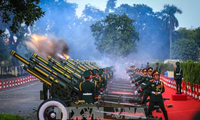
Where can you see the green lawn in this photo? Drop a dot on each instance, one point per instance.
(10, 117)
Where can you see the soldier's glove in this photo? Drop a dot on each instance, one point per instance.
(132, 85)
(136, 92)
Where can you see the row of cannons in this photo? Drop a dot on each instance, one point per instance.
(117, 101)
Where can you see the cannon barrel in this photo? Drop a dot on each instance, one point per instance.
(85, 65)
(53, 68)
(64, 68)
(73, 67)
(81, 64)
(62, 85)
(93, 64)
(90, 65)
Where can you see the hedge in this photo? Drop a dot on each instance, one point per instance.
(191, 72)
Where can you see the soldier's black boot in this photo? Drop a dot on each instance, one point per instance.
(177, 89)
(165, 115)
(180, 89)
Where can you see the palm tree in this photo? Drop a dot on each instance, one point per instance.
(170, 20)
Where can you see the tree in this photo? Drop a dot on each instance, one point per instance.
(16, 15)
(91, 13)
(15, 12)
(197, 35)
(170, 20)
(115, 35)
(3, 51)
(149, 25)
(110, 5)
(185, 49)
(193, 34)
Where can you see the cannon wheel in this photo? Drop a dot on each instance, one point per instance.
(46, 110)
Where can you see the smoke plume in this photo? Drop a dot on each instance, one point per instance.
(48, 45)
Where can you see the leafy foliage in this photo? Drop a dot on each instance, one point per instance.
(15, 12)
(149, 25)
(197, 36)
(191, 71)
(110, 5)
(3, 51)
(171, 22)
(185, 49)
(115, 35)
(91, 12)
(169, 18)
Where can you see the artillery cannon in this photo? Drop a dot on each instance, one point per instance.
(62, 79)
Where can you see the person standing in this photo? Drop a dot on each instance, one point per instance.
(157, 88)
(147, 65)
(87, 88)
(178, 75)
(158, 68)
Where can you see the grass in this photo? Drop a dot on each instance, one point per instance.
(10, 117)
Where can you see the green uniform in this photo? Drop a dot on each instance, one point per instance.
(107, 76)
(147, 92)
(111, 74)
(178, 75)
(96, 82)
(105, 79)
(129, 70)
(147, 65)
(138, 79)
(87, 91)
(157, 88)
(158, 69)
(102, 82)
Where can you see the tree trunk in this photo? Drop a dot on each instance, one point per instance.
(170, 38)
(170, 46)
(14, 60)
(13, 46)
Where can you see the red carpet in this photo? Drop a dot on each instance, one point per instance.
(181, 110)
